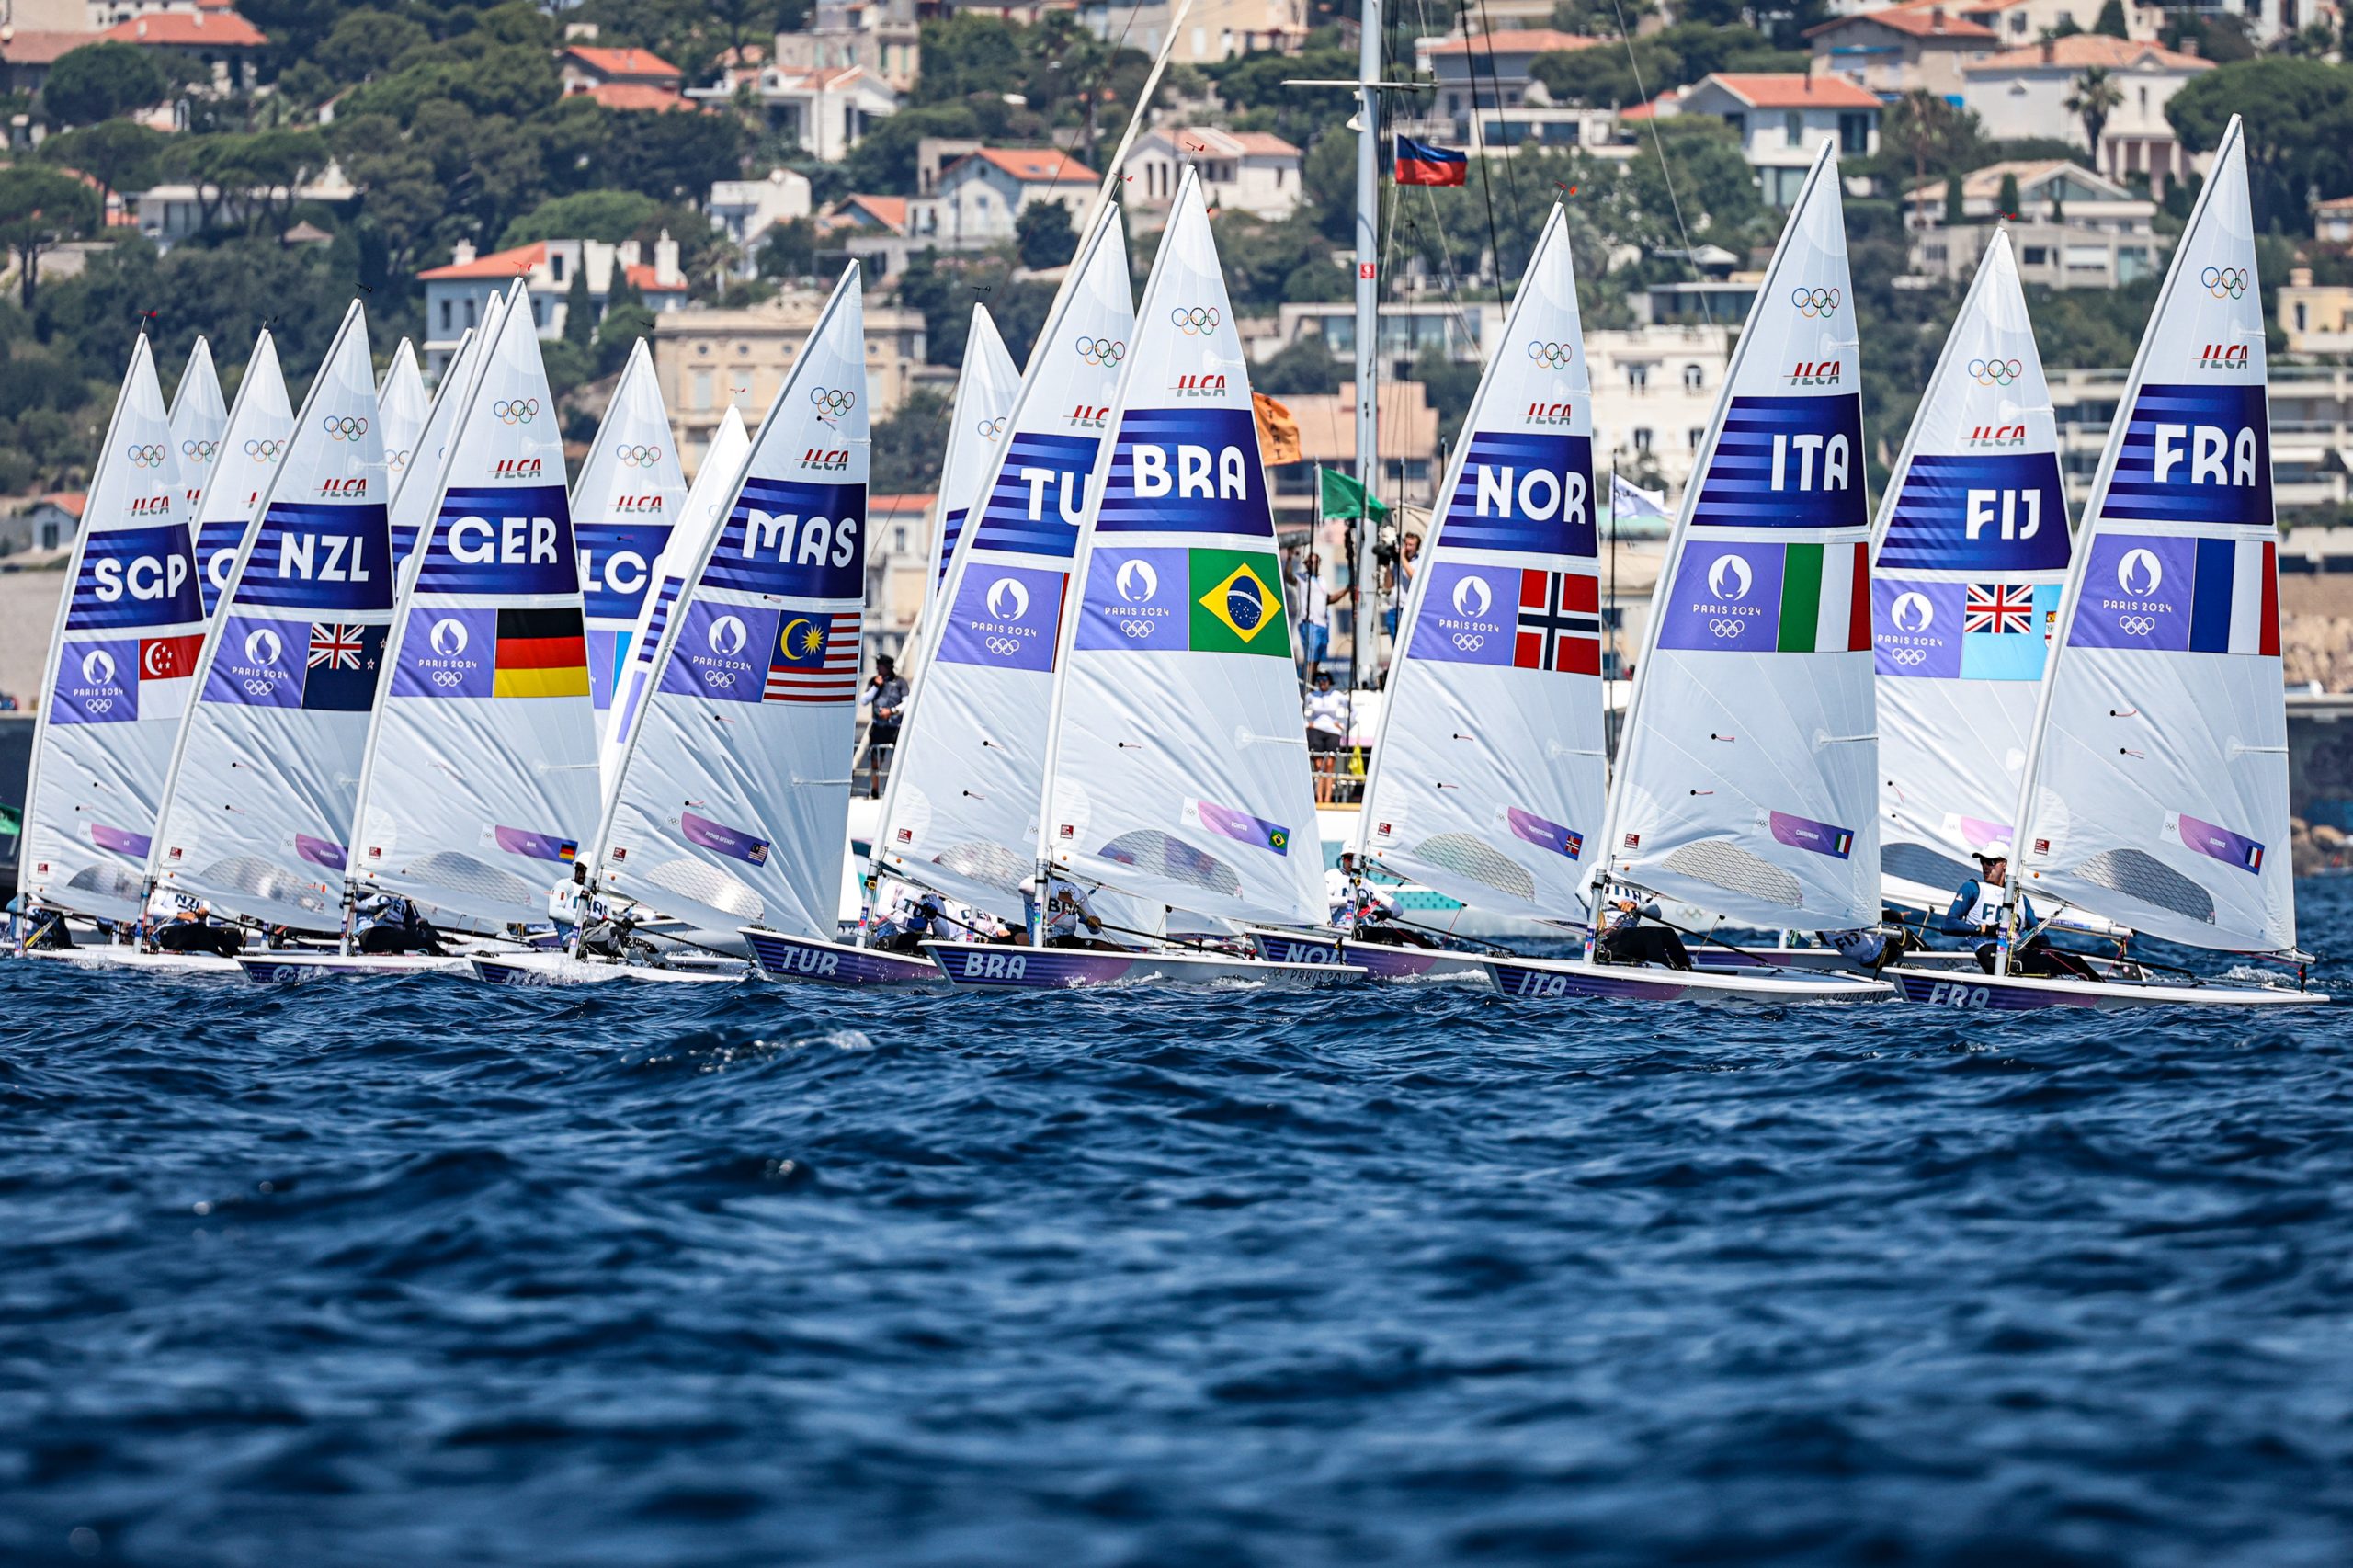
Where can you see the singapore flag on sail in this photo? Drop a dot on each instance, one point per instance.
(167, 674)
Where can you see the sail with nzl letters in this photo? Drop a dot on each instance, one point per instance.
(1487, 777)
(480, 780)
(1176, 762)
(732, 803)
(122, 667)
(257, 814)
(402, 405)
(986, 390)
(1970, 557)
(1747, 774)
(2157, 793)
(623, 507)
(960, 813)
(198, 416)
(259, 423)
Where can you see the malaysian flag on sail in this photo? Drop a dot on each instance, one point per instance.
(816, 659)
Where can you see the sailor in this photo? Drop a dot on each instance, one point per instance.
(912, 920)
(1623, 938)
(190, 930)
(1869, 947)
(390, 924)
(1366, 910)
(1977, 912)
(1067, 908)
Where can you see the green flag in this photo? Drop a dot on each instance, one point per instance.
(12, 822)
(1344, 497)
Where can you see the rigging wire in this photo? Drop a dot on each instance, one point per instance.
(1659, 148)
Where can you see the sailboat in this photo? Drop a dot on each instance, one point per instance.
(479, 779)
(253, 442)
(2154, 788)
(1488, 775)
(986, 388)
(1745, 771)
(402, 408)
(120, 670)
(623, 507)
(1176, 759)
(257, 811)
(198, 417)
(731, 805)
(413, 503)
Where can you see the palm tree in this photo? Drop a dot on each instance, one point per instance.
(2095, 98)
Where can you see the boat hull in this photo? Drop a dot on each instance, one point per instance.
(122, 956)
(806, 959)
(1380, 960)
(562, 969)
(1977, 992)
(1546, 980)
(288, 969)
(1063, 968)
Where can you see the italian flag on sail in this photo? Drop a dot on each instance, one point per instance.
(1825, 599)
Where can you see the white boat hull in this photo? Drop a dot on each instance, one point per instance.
(1978, 992)
(562, 969)
(285, 968)
(1544, 980)
(125, 956)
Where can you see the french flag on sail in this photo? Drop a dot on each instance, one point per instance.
(1419, 163)
(2235, 598)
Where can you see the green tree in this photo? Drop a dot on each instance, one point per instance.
(672, 156)
(2095, 97)
(2298, 118)
(1043, 236)
(1448, 383)
(905, 456)
(579, 312)
(611, 216)
(789, 250)
(99, 81)
(118, 154)
(368, 43)
(40, 207)
(1956, 208)
(624, 324)
(1306, 367)
(2111, 19)
(2007, 202)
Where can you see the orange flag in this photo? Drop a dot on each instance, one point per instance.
(1278, 431)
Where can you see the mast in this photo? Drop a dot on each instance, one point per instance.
(1366, 663)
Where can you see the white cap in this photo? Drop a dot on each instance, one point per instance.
(1997, 851)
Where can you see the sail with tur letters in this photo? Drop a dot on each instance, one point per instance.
(121, 668)
(480, 780)
(1488, 778)
(403, 408)
(960, 813)
(732, 803)
(986, 390)
(1747, 774)
(198, 417)
(257, 814)
(259, 424)
(2156, 792)
(1176, 762)
(623, 507)
(1969, 558)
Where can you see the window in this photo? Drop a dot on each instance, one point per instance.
(1638, 377)
(1694, 436)
(1855, 134)
(899, 539)
(1794, 127)
(445, 317)
(1694, 377)
(1642, 439)
(470, 312)
(2300, 315)
(2035, 255)
(701, 395)
(555, 266)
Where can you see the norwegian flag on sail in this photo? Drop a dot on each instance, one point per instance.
(814, 659)
(1559, 627)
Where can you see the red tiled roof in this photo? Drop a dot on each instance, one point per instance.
(1515, 40)
(625, 63)
(70, 500)
(1245, 143)
(647, 281)
(1788, 91)
(1035, 165)
(882, 506)
(182, 30)
(2334, 204)
(503, 265)
(1649, 111)
(630, 97)
(2078, 51)
(1920, 22)
(891, 212)
(42, 47)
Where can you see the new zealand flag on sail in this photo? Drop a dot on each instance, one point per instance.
(2194, 454)
(1787, 463)
(1978, 512)
(1531, 493)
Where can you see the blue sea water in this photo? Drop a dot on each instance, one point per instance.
(428, 1273)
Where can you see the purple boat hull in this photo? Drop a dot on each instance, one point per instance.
(834, 963)
(1063, 968)
(1380, 960)
(2021, 994)
(1546, 980)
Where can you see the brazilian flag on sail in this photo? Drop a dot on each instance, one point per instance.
(1238, 603)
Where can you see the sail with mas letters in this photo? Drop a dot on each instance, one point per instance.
(259, 423)
(732, 803)
(1488, 778)
(480, 780)
(1747, 774)
(257, 814)
(961, 813)
(2156, 791)
(122, 667)
(986, 390)
(623, 507)
(1176, 762)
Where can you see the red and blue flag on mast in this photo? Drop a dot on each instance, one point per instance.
(1419, 163)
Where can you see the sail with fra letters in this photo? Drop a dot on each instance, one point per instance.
(1969, 557)
(198, 417)
(1488, 780)
(986, 390)
(1747, 774)
(732, 803)
(255, 441)
(122, 667)
(257, 815)
(623, 507)
(1177, 763)
(961, 810)
(480, 781)
(2157, 792)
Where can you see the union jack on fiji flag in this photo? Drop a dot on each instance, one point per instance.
(1998, 608)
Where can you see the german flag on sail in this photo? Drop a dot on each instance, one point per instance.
(541, 653)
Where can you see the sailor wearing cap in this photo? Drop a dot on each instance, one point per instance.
(1977, 912)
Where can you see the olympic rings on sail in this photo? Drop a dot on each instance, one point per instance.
(832, 401)
(256, 686)
(1552, 355)
(145, 455)
(344, 427)
(200, 450)
(515, 410)
(1194, 320)
(722, 679)
(1995, 372)
(1909, 656)
(397, 461)
(1002, 647)
(1469, 641)
(2136, 625)
(637, 454)
(1726, 628)
(449, 677)
(265, 451)
(2224, 282)
(990, 429)
(1813, 303)
(1135, 629)
(1105, 350)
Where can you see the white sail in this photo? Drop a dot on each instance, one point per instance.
(732, 805)
(403, 408)
(986, 390)
(623, 507)
(257, 814)
(961, 810)
(1176, 761)
(255, 440)
(121, 668)
(412, 504)
(1746, 778)
(698, 521)
(1488, 782)
(198, 417)
(1969, 554)
(481, 775)
(2158, 792)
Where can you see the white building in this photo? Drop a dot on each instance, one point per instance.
(1214, 30)
(2024, 92)
(1488, 71)
(170, 213)
(1782, 121)
(2073, 228)
(1247, 171)
(459, 295)
(827, 109)
(745, 210)
(982, 193)
(879, 35)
